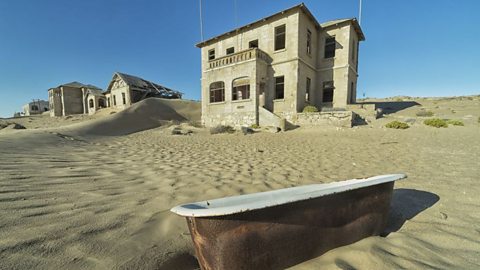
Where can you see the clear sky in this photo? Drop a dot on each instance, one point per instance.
(412, 47)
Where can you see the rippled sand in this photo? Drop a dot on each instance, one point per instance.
(79, 202)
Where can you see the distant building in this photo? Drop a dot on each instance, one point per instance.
(35, 107)
(72, 98)
(124, 90)
(276, 66)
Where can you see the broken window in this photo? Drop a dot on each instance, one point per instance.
(253, 44)
(211, 54)
(279, 87)
(280, 37)
(309, 42)
(328, 91)
(241, 89)
(217, 92)
(90, 103)
(307, 90)
(230, 50)
(330, 47)
(124, 99)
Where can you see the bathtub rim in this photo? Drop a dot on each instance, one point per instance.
(260, 200)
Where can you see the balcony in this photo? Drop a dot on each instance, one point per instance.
(238, 57)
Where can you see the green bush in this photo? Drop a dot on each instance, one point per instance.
(424, 113)
(455, 122)
(222, 129)
(397, 125)
(436, 122)
(310, 109)
(254, 126)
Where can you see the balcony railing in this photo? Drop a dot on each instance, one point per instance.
(238, 57)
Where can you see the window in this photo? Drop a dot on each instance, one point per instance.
(241, 89)
(230, 50)
(114, 100)
(280, 37)
(307, 90)
(108, 102)
(90, 103)
(353, 50)
(211, 54)
(352, 93)
(330, 47)
(217, 92)
(279, 87)
(101, 103)
(328, 91)
(253, 44)
(34, 108)
(123, 98)
(309, 42)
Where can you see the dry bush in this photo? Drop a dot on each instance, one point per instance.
(397, 125)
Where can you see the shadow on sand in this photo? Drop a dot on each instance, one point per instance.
(405, 205)
(392, 106)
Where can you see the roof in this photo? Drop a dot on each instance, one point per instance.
(354, 21)
(76, 84)
(140, 84)
(301, 7)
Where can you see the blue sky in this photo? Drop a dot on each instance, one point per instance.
(415, 48)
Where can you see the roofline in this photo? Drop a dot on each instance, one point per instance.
(236, 30)
(356, 26)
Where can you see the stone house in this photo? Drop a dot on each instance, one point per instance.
(124, 90)
(35, 107)
(276, 66)
(72, 98)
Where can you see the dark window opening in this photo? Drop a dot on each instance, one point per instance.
(241, 89)
(330, 47)
(211, 54)
(230, 50)
(90, 103)
(353, 50)
(101, 103)
(352, 93)
(108, 102)
(34, 108)
(217, 92)
(124, 99)
(328, 91)
(307, 91)
(253, 44)
(280, 37)
(279, 87)
(114, 100)
(309, 42)
(45, 109)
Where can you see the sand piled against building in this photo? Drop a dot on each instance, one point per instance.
(146, 114)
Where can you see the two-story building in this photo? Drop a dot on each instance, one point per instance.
(278, 65)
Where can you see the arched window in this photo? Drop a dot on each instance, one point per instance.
(217, 92)
(101, 103)
(90, 103)
(241, 88)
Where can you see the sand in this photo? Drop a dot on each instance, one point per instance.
(97, 194)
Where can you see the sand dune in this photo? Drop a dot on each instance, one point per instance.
(75, 201)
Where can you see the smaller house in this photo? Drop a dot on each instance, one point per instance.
(124, 90)
(35, 107)
(72, 98)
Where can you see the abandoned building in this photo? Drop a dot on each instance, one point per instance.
(73, 98)
(35, 107)
(274, 67)
(124, 90)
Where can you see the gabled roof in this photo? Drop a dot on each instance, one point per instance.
(76, 84)
(354, 22)
(139, 84)
(301, 7)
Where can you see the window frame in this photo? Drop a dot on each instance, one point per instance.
(222, 89)
(232, 51)
(277, 84)
(124, 98)
(331, 46)
(308, 88)
(251, 42)
(235, 90)
(211, 54)
(277, 35)
(328, 87)
(309, 42)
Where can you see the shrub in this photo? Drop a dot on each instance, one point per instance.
(455, 122)
(397, 125)
(424, 113)
(310, 109)
(254, 126)
(221, 129)
(436, 122)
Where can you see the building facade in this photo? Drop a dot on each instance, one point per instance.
(124, 90)
(71, 98)
(35, 107)
(279, 65)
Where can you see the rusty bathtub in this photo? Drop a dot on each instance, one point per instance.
(281, 228)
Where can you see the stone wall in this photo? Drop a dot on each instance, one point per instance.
(236, 119)
(325, 119)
